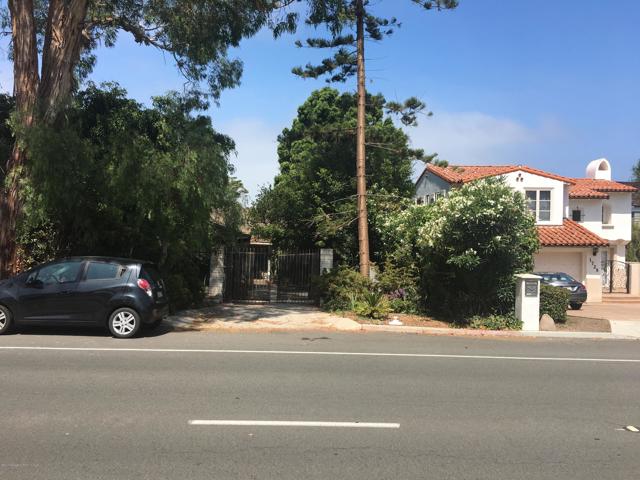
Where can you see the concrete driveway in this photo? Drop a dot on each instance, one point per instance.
(624, 318)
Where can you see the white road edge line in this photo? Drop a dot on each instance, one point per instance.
(281, 423)
(349, 354)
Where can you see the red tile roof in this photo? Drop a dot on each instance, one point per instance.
(591, 188)
(468, 173)
(569, 234)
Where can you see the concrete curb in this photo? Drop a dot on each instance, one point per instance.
(191, 324)
(492, 333)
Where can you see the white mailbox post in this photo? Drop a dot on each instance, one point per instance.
(528, 301)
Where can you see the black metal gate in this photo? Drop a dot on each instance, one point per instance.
(293, 274)
(615, 276)
(257, 274)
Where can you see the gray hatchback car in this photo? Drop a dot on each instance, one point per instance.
(577, 291)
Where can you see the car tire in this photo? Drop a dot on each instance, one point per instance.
(124, 323)
(6, 319)
(575, 306)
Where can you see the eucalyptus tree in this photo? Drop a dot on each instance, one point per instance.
(61, 36)
(349, 24)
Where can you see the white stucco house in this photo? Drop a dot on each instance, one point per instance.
(583, 223)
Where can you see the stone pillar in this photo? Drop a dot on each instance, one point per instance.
(593, 277)
(634, 278)
(326, 260)
(216, 275)
(528, 301)
(620, 251)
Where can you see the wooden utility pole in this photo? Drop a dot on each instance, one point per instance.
(361, 179)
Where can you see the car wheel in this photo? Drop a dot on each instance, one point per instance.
(575, 306)
(124, 323)
(5, 319)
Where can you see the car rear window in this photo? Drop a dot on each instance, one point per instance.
(104, 271)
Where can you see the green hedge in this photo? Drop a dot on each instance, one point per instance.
(554, 302)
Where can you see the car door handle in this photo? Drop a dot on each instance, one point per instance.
(65, 292)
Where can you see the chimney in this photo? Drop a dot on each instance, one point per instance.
(599, 169)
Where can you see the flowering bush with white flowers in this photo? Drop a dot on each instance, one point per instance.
(467, 247)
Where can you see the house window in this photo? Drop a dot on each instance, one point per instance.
(539, 203)
(576, 215)
(419, 200)
(606, 214)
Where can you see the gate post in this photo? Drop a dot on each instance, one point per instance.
(326, 260)
(216, 275)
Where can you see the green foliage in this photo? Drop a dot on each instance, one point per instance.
(372, 304)
(400, 285)
(197, 34)
(554, 302)
(496, 322)
(633, 248)
(6, 136)
(467, 247)
(121, 179)
(340, 19)
(342, 288)
(313, 200)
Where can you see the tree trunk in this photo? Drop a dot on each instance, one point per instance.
(363, 227)
(60, 55)
(25, 80)
(37, 100)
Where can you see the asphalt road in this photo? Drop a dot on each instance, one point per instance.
(75, 405)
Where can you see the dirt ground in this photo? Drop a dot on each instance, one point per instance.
(406, 319)
(584, 324)
(573, 323)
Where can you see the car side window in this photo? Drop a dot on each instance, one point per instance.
(104, 271)
(62, 272)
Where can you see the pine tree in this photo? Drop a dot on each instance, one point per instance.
(349, 24)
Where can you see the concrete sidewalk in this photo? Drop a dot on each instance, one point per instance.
(624, 318)
(287, 317)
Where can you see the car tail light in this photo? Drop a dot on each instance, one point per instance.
(582, 287)
(146, 286)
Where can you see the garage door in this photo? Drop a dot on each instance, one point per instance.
(570, 263)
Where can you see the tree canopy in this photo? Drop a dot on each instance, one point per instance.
(312, 201)
(53, 46)
(121, 179)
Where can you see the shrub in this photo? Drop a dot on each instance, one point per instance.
(468, 246)
(400, 284)
(341, 288)
(372, 304)
(496, 322)
(554, 302)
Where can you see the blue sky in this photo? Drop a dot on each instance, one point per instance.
(548, 84)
